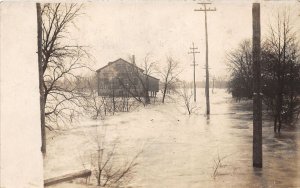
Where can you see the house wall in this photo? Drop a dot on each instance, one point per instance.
(153, 84)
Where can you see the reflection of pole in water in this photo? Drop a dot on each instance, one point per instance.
(257, 97)
(207, 119)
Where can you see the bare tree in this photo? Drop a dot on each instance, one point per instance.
(282, 67)
(239, 62)
(218, 163)
(186, 94)
(280, 71)
(169, 75)
(61, 60)
(105, 167)
(148, 67)
(138, 79)
(94, 104)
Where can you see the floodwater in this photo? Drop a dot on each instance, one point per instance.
(181, 151)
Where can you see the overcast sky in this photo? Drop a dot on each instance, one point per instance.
(119, 29)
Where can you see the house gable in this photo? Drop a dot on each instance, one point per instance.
(118, 62)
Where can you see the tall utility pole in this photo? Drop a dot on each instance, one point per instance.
(257, 95)
(205, 9)
(41, 77)
(194, 64)
(213, 87)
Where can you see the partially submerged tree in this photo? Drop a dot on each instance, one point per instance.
(186, 95)
(137, 81)
(169, 75)
(148, 67)
(105, 166)
(94, 105)
(240, 64)
(61, 61)
(280, 71)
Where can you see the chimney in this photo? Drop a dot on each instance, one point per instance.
(133, 59)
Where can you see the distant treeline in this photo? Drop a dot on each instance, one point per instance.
(213, 84)
(217, 83)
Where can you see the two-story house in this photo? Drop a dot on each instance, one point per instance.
(123, 79)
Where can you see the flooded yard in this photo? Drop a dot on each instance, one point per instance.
(179, 150)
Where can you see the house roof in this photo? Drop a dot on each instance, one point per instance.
(123, 61)
(118, 61)
(153, 77)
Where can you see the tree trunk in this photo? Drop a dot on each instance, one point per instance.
(164, 93)
(147, 98)
(279, 108)
(114, 102)
(127, 104)
(275, 123)
(41, 77)
(279, 123)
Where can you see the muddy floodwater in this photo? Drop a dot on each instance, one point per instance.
(181, 151)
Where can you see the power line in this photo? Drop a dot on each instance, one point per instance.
(194, 64)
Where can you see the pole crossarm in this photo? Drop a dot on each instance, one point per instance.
(204, 8)
(208, 9)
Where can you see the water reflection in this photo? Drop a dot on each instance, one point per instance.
(181, 151)
(280, 151)
(207, 119)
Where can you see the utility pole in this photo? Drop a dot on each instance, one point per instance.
(213, 87)
(194, 64)
(41, 77)
(205, 9)
(257, 95)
